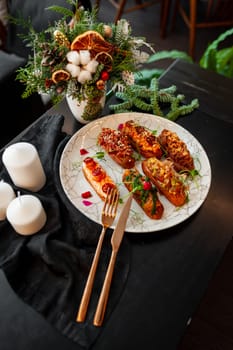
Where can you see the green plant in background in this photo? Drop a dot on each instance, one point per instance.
(213, 58)
(145, 94)
(144, 76)
(219, 60)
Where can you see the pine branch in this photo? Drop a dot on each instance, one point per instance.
(137, 97)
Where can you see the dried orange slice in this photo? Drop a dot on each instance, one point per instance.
(105, 59)
(93, 42)
(60, 75)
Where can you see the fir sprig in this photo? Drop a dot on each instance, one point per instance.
(153, 100)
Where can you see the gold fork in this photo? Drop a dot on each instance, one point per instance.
(107, 217)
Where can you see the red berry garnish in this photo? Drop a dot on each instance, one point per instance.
(86, 194)
(120, 126)
(147, 185)
(87, 203)
(83, 151)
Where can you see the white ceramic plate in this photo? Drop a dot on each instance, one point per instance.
(74, 183)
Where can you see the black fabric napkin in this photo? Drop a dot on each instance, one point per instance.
(48, 270)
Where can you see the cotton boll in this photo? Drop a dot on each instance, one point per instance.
(92, 66)
(85, 57)
(73, 57)
(73, 70)
(84, 76)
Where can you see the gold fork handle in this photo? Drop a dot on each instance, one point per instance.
(103, 299)
(89, 284)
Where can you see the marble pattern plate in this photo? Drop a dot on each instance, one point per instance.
(74, 183)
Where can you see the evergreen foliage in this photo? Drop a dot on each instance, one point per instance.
(161, 102)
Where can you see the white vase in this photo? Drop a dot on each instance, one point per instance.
(86, 110)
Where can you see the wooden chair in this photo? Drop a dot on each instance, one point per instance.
(121, 8)
(218, 13)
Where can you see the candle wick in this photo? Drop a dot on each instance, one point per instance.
(19, 196)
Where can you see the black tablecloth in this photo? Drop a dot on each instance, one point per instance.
(48, 270)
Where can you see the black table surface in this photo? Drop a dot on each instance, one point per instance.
(170, 270)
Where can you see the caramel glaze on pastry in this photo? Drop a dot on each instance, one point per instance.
(142, 139)
(166, 179)
(176, 150)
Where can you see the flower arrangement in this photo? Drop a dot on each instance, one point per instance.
(81, 57)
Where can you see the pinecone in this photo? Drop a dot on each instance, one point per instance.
(52, 56)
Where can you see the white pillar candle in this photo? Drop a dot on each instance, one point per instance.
(7, 194)
(24, 166)
(26, 214)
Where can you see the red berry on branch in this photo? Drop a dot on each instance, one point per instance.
(104, 75)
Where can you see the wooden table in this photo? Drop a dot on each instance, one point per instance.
(170, 271)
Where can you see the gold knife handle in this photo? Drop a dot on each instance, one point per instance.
(103, 299)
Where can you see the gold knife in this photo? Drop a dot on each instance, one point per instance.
(116, 239)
